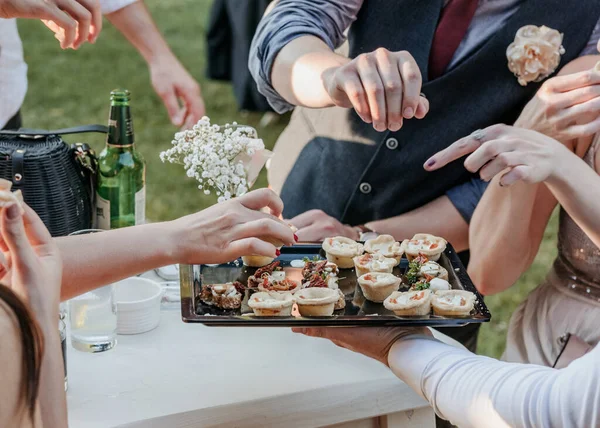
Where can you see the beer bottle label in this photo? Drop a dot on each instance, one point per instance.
(140, 206)
(102, 213)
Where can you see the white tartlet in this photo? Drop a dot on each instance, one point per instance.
(409, 303)
(341, 251)
(454, 303)
(373, 263)
(439, 284)
(377, 287)
(425, 244)
(272, 304)
(385, 245)
(316, 302)
(433, 269)
(260, 261)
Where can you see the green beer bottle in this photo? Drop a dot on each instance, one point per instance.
(121, 188)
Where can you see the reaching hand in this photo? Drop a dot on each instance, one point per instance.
(374, 342)
(229, 230)
(173, 84)
(566, 107)
(518, 154)
(383, 87)
(315, 226)
(73, 21)
(30, 261)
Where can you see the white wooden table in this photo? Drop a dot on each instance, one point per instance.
(188, 375)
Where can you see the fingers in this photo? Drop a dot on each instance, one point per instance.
(388, 71)
(83, 18)
(587, 110)
(194, 106)
(307, 218)
(489, 151)
(316, 232)
(499, 164)
(268, 229)
(353, 88)
(169, 98)
(373, 85)
(575, 97)
(573, 81)
(583, 130)
(465, 145)
(422, 108)
(63, 26)
(263, 198)
(253, 246)
(35, 228)
(518, 173)
(13, 231)
(411, 82)
(96, 23)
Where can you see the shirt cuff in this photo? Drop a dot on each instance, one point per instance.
(110, 6)
(466, 196)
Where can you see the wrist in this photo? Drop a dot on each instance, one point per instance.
(169, 247)
(561, 164)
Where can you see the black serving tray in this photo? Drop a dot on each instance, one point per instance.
(358, 311)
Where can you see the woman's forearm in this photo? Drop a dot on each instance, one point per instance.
(136, 24)
(508, 225)
(52, 399)
(438, 217)
(475, 391)
(577, 188)
(97, 259)
(298, 70)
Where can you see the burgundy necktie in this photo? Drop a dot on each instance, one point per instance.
(454, 23)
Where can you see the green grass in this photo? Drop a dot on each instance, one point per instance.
(69, 88)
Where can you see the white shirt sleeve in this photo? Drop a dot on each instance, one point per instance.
(110, 6)
(476, 391)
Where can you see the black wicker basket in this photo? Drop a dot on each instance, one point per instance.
(57, 180)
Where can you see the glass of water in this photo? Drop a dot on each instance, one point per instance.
(93, 316)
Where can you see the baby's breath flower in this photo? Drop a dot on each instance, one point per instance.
(209, 153)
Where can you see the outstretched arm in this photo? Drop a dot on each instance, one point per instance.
(475, 391)
(170, 79)
(218, 234)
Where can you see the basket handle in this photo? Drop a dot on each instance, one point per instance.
(33, 133)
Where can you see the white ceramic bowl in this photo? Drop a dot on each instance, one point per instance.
(138, 305)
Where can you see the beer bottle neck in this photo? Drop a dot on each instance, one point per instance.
(120, 126)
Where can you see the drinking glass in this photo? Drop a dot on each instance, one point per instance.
(93, 316)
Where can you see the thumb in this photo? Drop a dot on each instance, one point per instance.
(13, 232)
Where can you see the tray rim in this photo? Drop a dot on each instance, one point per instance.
(189, 314)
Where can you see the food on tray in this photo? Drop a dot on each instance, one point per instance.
(341, 251)
(373, 263)
(7, 197)
(316, 301)
(377, 287)
(385, 245)
(271, 304)
(323, 274)
(272, 278)
(432, 269)
(456, 303)
(433, 284)
(409, 303)
(413, 273)
(224, 296)
(258, 261)
(424, 244)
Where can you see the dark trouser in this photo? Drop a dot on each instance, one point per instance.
(14, 122)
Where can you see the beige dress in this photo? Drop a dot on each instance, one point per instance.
(567, 302)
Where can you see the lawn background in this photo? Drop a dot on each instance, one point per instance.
(68, 88)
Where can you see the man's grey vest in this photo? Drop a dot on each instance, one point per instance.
(383, 175)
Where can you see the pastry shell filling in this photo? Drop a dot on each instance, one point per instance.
(271, 304)
(425, 244)
(385, 245)
(376, 287)
(453, 302)
(341, 250)
(373, 263)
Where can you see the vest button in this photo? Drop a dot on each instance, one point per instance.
(365, 188)
(391, 143)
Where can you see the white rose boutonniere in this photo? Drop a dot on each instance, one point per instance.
(535, 54)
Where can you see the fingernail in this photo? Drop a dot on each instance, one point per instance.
(277, 252)
(12, 212)
(409, 112)
(430, 163)
(296, 237)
